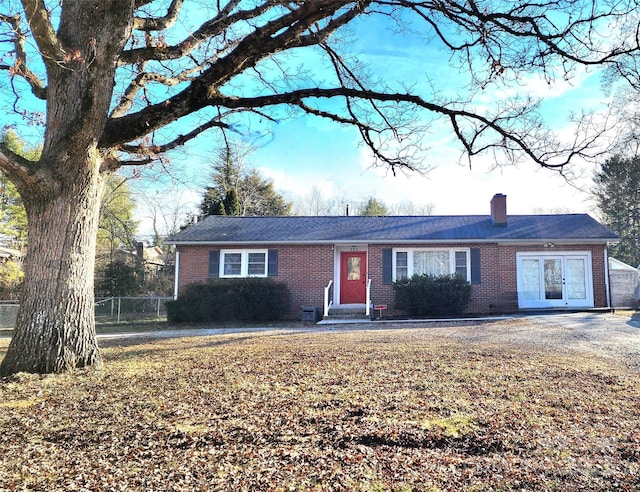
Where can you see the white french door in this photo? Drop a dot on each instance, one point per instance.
(554, 280)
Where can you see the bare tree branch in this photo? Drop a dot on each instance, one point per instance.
(20, 67)
(23, 171)
(140, 82)
(42, 30)
(381, 115)
(159, 23)
(155, 150)
(504, 134)
(526, 25)
(210, 29)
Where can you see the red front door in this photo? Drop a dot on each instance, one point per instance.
(353, 277)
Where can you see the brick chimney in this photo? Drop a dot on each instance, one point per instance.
(499, 210)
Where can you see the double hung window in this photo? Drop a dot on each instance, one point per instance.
(438, 262)
(243, 263)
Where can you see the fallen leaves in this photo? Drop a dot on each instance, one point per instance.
(365, 410)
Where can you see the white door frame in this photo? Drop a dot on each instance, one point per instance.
(542, 299)
(336, 266)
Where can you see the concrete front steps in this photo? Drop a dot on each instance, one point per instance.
(347, 312)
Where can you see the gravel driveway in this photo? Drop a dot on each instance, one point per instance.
(609, 335)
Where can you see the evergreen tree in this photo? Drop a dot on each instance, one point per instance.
(211, 203)
(374, 207)
(231, 203)
(617, 194)
(236, 191)
(119, 278)
(257, 196)
(219, 209)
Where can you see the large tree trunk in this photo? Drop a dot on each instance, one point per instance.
(55, 330)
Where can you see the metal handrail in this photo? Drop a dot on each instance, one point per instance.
(367, 308)
(327, 302)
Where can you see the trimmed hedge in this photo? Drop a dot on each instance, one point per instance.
(432, 296)
(241, 299)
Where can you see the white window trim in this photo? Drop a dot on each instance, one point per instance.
(452, 259)
(244, 262)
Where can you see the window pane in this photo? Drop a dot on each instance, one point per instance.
(461, 263)
(552, 279)
(530, 279)
(353, 268)
(401, 265)
(576, 279)
(431, 263)
(257, 264)
(232, 263)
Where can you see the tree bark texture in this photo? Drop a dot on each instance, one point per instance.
(55, 329)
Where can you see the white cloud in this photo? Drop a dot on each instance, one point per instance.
(451, 188)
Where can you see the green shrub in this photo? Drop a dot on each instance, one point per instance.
(242, 299)
(429, 295)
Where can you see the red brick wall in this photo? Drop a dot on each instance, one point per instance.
(308, 268)
(488, 296)
(597, 266)
(497, 291)
(193, 265)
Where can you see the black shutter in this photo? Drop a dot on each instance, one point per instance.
(387, 266)
(475, 265)
(214, 263)
(272, 263)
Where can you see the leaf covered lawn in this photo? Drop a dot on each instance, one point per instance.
(360, 411)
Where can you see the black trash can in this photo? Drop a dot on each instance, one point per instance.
(310, 313)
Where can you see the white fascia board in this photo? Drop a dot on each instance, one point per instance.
(556, 242)
(510, 242)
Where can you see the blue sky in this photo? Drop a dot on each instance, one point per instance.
(302, 152)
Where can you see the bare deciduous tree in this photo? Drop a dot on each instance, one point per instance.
(314, 203)
(410, 208)
(122, 82)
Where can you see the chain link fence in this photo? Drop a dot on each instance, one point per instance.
(108, 310)
(121, 309)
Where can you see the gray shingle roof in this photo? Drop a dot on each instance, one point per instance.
(450, 228)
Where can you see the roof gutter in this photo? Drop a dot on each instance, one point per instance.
(507, 242)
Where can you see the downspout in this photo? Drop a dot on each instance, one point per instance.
(606, 275)
(176, 275)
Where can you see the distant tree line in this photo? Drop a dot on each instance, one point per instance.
(315, 204)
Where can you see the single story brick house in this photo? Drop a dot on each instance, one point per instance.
(513, 262)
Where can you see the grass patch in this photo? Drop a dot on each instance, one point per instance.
(396, 410)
